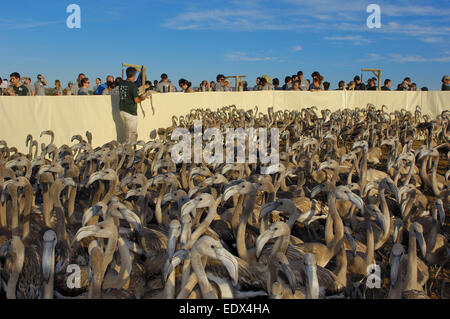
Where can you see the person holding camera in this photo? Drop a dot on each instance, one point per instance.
(110, 85)
(39, 86)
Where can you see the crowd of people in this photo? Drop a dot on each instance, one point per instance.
(22, 86)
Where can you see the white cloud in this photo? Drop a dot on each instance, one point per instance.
(314, 16)
(240, 56)
(356, 39)
(414, 29)
(443, 59)
(28, 25)
(414, 10)
(217, 19)
(406, 58)
(432, 40)
(372, 57)
(297, 48)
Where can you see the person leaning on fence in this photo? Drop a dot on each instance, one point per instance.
(17, 88)
(128, 99)
(185, 85)
(317, 84)
(316, 75)
(341, 86)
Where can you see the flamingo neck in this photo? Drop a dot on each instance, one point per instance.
(411, 271)
(203, 282)
(240, 239)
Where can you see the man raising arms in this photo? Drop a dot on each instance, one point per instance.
(129, 97)
(39, 85)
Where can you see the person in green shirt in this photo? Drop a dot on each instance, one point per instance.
(18, 88)
(128, 99)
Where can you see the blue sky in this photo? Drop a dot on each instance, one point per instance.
(197, 40)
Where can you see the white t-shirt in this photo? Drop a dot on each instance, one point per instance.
(39, 88)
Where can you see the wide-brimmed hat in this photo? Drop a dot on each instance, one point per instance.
(445, 78)
(266, 78)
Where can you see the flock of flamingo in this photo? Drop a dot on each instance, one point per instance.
(356, 209)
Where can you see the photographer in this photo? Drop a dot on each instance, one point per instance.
(39, 86)
(110, 85)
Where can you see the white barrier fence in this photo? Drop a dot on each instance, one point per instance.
(70, 115)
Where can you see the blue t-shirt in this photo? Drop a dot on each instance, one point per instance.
(100, 89)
